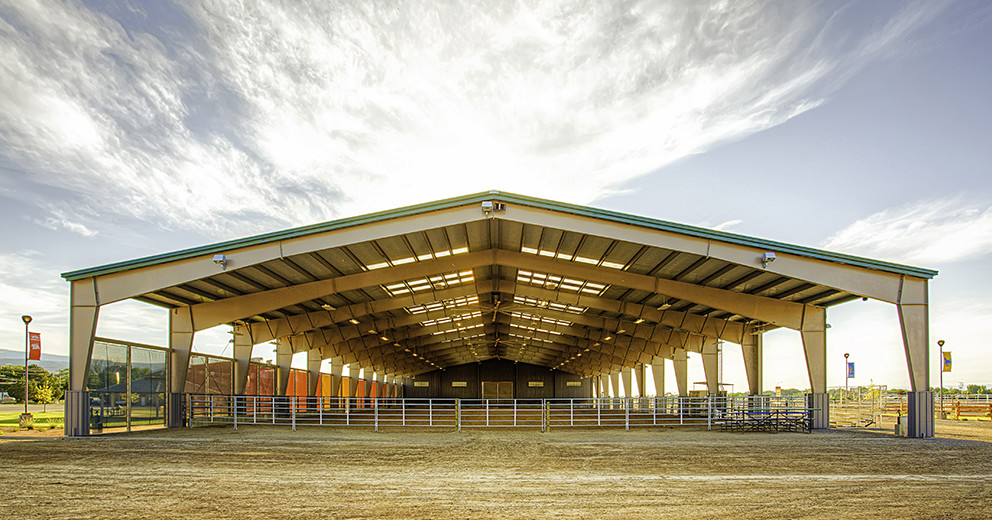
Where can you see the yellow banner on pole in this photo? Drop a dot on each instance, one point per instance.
(947, 362)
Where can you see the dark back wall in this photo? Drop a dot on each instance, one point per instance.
(529, 381)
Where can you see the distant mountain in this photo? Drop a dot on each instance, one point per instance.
(50, 362)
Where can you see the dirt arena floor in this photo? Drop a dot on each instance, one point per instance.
(266, 472)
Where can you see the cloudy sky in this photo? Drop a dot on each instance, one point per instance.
(134, 128)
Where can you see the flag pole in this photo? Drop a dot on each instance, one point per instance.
(940, 343)
(27, 349)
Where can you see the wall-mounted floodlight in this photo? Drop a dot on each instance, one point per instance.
(487, 206)
(221, 260)
(767, 258)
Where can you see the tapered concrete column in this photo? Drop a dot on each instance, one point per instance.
(914, 321)
(814, 334)
(639, 375)
(627, 376)
(337, 371)
(367, 391)
(314, 359)
(242, 358)
(379, 382)
(604, 385)
(753, 360)
(181, 343)
(386, 387)
(83, 316)
(711, 365)
(615, 384)
(353, 371)
(658, 371)
(284, 362)
(680, 359)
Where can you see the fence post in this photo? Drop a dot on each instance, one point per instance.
(320, 411)
(626, 414)
(189, 411)
(292, 410)
(235, 413)
(375, 413)
(709, 412)
(458, 414)
(544, 416)
(211, 401)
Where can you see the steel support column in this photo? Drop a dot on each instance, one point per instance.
(242, 358)
(814, 336)
(711, 365)
(752, 350)
(314, 360)
(658, 371)
(83, 315)
(284, 362)
(915, 324)
(353, 372)
(680, 359)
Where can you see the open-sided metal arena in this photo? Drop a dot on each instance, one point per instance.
(491, 307)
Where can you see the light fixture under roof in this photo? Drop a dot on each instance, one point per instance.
(353, 321)
(638, 321)
(328, 307)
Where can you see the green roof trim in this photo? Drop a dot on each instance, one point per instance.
(585, 211)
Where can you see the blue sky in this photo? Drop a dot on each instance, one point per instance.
(129, 129)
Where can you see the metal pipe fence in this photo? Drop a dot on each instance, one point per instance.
(543, 414)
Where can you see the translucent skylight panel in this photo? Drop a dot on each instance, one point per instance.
(558, 306)
(451, 303)
(442, 281)
(529, 338)
(540, 319)
(457, 329)
(451, 319)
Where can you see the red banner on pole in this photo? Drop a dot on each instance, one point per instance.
(35, 342)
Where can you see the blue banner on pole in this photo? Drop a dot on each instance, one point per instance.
(850, 370)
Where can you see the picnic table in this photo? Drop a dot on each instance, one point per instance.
(775, 419)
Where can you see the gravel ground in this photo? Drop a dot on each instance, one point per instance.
(271, 472)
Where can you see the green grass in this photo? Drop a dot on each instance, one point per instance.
(42, 420)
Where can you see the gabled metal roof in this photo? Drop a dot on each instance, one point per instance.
(624, 218)
(564, 286)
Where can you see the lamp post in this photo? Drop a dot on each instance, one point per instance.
(27, 349)
(847, 372)
(940, 343)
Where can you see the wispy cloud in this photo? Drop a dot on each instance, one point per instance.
(930, 232)
(31, 286)
(255, 114)
(56, 220)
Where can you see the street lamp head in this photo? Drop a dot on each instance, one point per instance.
(27, 319)
(940, 342)
(846, 355)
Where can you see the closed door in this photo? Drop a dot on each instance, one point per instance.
(497, 389)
